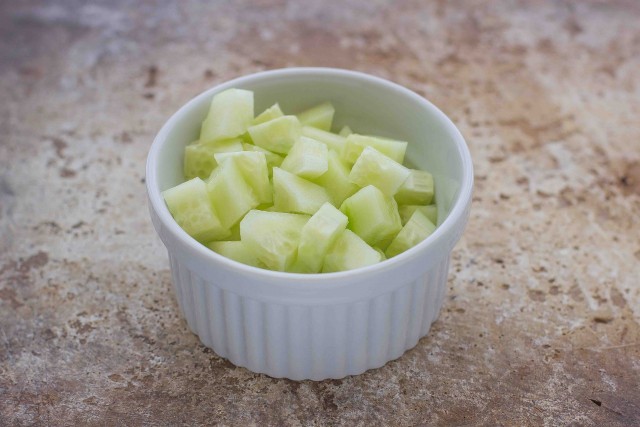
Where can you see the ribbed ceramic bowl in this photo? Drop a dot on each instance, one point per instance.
(321, 325)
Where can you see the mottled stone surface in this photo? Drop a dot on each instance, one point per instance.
(542, 320)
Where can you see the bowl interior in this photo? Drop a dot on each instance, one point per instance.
(367, 104)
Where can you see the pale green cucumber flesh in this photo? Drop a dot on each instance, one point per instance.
(417, 189)
(270, 113)
(230, 194)
(349, 252)
(415, 231)
(230, 114)
(273, 159)
(254, 170)
(430, 211)
(336, 179)
(199, 158)
(297, 195)
(320, 116)
(308, 158)
(235, 250)
(272, 237)
(277, 135)
(354, 144)
(318, 235)
(375, 168)
(190, 206)
(333, 141)
(372, 216)
(345, 131)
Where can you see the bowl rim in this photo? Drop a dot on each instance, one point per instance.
(445, 229)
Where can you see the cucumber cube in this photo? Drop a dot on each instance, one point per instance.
(230, 194)
(191, 208)
(270, 113)
(253, 166)
(374, 168)
(415, 231)
(430, 211)
(230, 114)
(372, 216)
(349, 252)
(320, 116)
(294, 194)
(199, 158)
(277, 135)
(318, 235)
(336, 179)
(273, 159)
(235, 250)
(307, 158)
(272, 237)
(333, 141)
(355, 144)
(345, 131)
(417, 189)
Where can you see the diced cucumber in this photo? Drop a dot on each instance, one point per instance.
(230, 194)
(277, 135)
(349, 252)
(417, 189)
(336, 179)
(272, 237)
(191, 208)
(294, 194)
(270, 113)
(372, 216)
(381, 252)
(333, 141)
(253, 166)
(430, 211)
(318, 235)
(236, 251)
(374, 168)
(307, 158)
(230, 115)
(355, 144)
(273, 159)
(320, 116)
(415, 231)
(235, 232)
(199, 158)
(345, 131)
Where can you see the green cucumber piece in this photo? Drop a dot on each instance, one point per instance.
(345, 131)
(230, 194)
(355, 144)
(417, 189)
(336, 179)
(333, 141)
(270, 113)
(372, 216)
(272, 237)
(230, 114)
(191, 208)
(430, 211)
(374, 168)
(273, 159)
(320, 116)
(297, 195)
(307, 158)
(318, 235)
(199, 158)
(415, 231)
(235, 250)
(277, 135)
(349, 252)
(253, 166)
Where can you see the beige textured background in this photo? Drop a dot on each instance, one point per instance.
(542, 320)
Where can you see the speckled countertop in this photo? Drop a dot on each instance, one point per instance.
(542, 320)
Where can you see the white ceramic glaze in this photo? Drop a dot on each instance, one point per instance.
(321, 325)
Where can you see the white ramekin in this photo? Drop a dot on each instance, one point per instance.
(321, 325)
